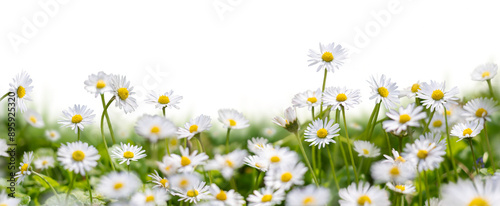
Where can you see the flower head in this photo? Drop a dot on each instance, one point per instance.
(154, 127)
(307, 99)
(25, 167)
(476, 193)
(366, 149)
(193, 194)
(44, 162)
(257, 144)
(363, 194)
(266, 197)
(404, 118)
(227, 164)
(286, 176)
(466, 130)
(434, 95)
(187, 161)
(123, 93)
(330, 57)
(480, 109)
(341, 96)
(308, 196)
(289, 122)
(78, 157)
(33, 118)
(5, 200)
(22, 89)
(194, 126)
(424, 154)
(221, 197)
(118, 185)
(127, 153)
(484, 72)
(321, 132)
(150, 197)
(167, 99)
(160, 182)
(406, 189)
(52, 135)
(77, 117)
(384, 172)
(232, 119)
(3, 148)
(98, 83)
(385, 91)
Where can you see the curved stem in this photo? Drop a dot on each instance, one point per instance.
(349, 145)
(200, 147)
(102, 132)
(449, 143)
(110, 127)
(90, 188)
(45, 180)
(70, 186)
(323, 89)
(429, 122)
(227, 140)
(167, 142)
(473, 156)
(306, 159)
(490, 88)
(374, 120)
(332, 165)
(5, 95)
(163, 110)
(492, 155)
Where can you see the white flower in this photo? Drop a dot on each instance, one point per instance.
(480, 109)
(308, 196)
(184, 181)
(330, 57)
(410, 92)
(434, 202)
(266, 197)
(397, 158)
(116, 185)
(186, 162)
(269, 131)
(226, 164)
(150, 198)
(307, 99)
(366, 149)
(290, 120)
(98, 83)
(127, 153)
(434, 95)
(321, 132)
(122, 91)
(438, 123)
(194, 194)
(383, 172)
(194, 126)
(224, 198)
(3, 148)
(257, 162)
(466, 192)
(5, 200)
(406, 189)
(33, 118)
(168, 165)
(25, 168)
(44, 162)
(466, 130)
(52, 135)
(232, 119)
(424, 154)
(363, 194)
(337, 96)
(77, 117)
(160, 182)
(286, 176)
(154, 127)
(257, 144)
(277, 156)
(484, 72)
(21, 87)
(78, 157)
(384, 91)
(453, 113)
(433, 138)
(404, 118)
(167, 99)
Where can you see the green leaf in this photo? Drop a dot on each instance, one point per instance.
(43, 183)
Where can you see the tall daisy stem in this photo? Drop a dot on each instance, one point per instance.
(306, 159)
(490, 88)
(427, 188)
(90, 188)
(323, 89)
(102, 132)
(312, 112)
(492, 155)
(70, 187)
(429, 122)
(200, 147)
(449, 143)
(332, 165)
(45, 180)
(313, 157)
(163, 110)
(374, 120)
(5, 95)
(473, 156)
(110, 127)
(258, 180)
(344, 156)
(167, 142)
(388, 141)
(349, 145)
(78, 133)
(402, 200)
(227, 140)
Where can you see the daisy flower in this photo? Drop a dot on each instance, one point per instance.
(232, 119)
(330, 57)
(168, 165)
(453, 113)
(279, 156)
(480, 109)
(77, 117)
(154, 127)
(398, 159)
(257, 162)
(127, 153)
(286, 176)
(21, 87)
(224, 198)
(308, 196)
(165, 100)
(385, 91)
(269, 131)
(257, 144)
(410, 92)
(434, 95)
(184, 181)
(5, 200)
(433, 202)
(122, 90)
(194, 194)
(116, 185)
(321, 133)
(337, 96)
(290, 120)
(194, 126)
(424, 154)
(433, 138)
(3, 148)
(78, 157)
(33, 118)
(98, 83)
(466, 130)
(52, 135)
(404, 118)
(186, 162)
(44, 162)
(307, 99)
(466, 192)
(226, 164)
(25, 168)
(266, 197)
(160, 182)
(437, 123)
(363, 194)
(383, 172)
(366, 149)
(406, 189)
(150, 198)
(484, 72)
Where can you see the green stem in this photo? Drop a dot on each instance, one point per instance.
(163, 110)
(473, 156)
(360, 165)
(344, 156)
(349, 146)
(167, 142)
(438, 176)
(402, 200)
(128, 168)
(306, 159)
(5, 95)
(428, 195)
(400, 144)
(489, 86)
(233, 184)
(90, 188)
(420, 192)
(374, 120)
(323, 89)
(110, 127)
(102, 132)
(332, 165)
(227, 140)
(78, 129)
(449, 143)
(492, 155)
(313, 154)
(45, 180)
(258, 180)
(312, 112)
(388, 141)
(429, 122)
(70, 187)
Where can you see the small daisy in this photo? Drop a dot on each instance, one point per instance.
(290, 120)
(321, 133)
(424, 154)
(98, 83)
(466, 130)
(279, 156)
(433, 95)
(192, 194)
(127, 153)
(384, 91)
(52, 135)
(78, 157)
(398, 159)
(480, 109)
(21, 87)
(366, 149)
(383, 172)
(44, 162)
(154, 127)
(77, 117)
(3, 148)
(184, 181)
(307, 99)
(437, 123)
(476, 193)
(286, 176)
(150, 198)
(194, 126)
(5, 200)
(404, 118)
(167, 99)
(160, 182)
(33, 118)
(453, 113)
(433, 138)
(308, 196)
(122, 91)
(406, 189)
(116, 185)
(330, 57)
(433, 202)
(410, 92)
(269, 131)
(25, 168)
(257, 144)
(227, 164)
(186, 161)
(484, 72)
(232, 119)
(266, 197)
(168, 165)
(224, 198)
(363, 194)
(337, 96)
(257, 162)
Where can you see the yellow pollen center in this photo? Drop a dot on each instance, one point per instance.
(341, 97)
(437, 123)
(229, 163)
(24, 168)
(221, 196)
(192, 193)
(167, 168)
(150, 198)
(185, 161)
(478, 201)
(100, 84)
(394, 171)
(422, 154)
(45, 162)
(128, 154)
(364, 199)
(118, 185)
(480, 112)
(266, 198)
(21, 92)
(193, 128)
(327, 57)
(163, 99)
(285, 177)
(155, 129)
(448, 112)
(415, 87)
(78, 155)
(400, 187)
(123, 93)
(173, 141)
(437, 95)
(485, 74)
(467, 131)
(404, 118)
(258, 165)
(308, 200)
(33, 119)
(365, 151)
(322, 133)
(184, 183)
(232, 123)
(76, 119)
(383, 91)
(400, 159)
(275, 159)
(4, 204)
(164, 182)
(312, 100)
(52, 134)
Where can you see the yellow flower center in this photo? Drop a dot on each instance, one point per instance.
(467, 131)
(118, 185)
(33, 119)
(422, 154)
(404, 118)
(275, 159)
(266, 198)
(150, 198)
(193, 128)
(128, 154)
(221, 196)
(308, 200)
(285, 177)
(45, 162)
(184, 183)
(232, 123)
(312, 100)
(229, 163)
(400, 159)
(24, 168)
(394, 171)
(100, 84)
(185, 161)
(192, 193)
(364, 199)
(480, 112)
(400, 187)
(437, 123)
(76, 119)
(322, 133)
(437, 95)
(327, 57)
(365, 151)
(258, 165)
(415, 87)
(52, 134)
(383, 91)
(485, 74)
(341, 97)
(163, 99)
(167, 168)
(173, 141)
(155, 129)
(21, 92)
(78, 155)
(123, 93)
(164, 182)
(4, 204)
(479, 201)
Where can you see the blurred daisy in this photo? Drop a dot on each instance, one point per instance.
(150, 198)
(52, 135)
(117, 185)
(466, 130)
(78, 157)
(308, 196)
(44, 162)
(279, 156)
(406, 189)
(385, 91)
(227, 164)
(453, 113)
(307, 99)
(437, 123)
(186, 162)
(232, 119)
(484, 72)
(366, 149)
(184, 181)
(154, 127)
(3, 148)
(167, 99)
(158, 181)
(269, 131)
(122, 90)
(398, 159)
(404, 118)
(224, 198)
(480, 109)
(33, 118)
(257, 144)
(433, 202)
(384, 172)
(192, 194)
(127, 153)
(330, 57)
(286, 176)
(410, 92)
(466, 192)
(21, 87)
(266, 197)
(25, 168)
(257, 162)
(363, 194)
(98, 83)
(433, 138)
(290, 120)
(167, 166)
(77, 117)
(194, 126)
(434, 95)
(321, 133)
(424, 154)
(337, 96)
(5, 200)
